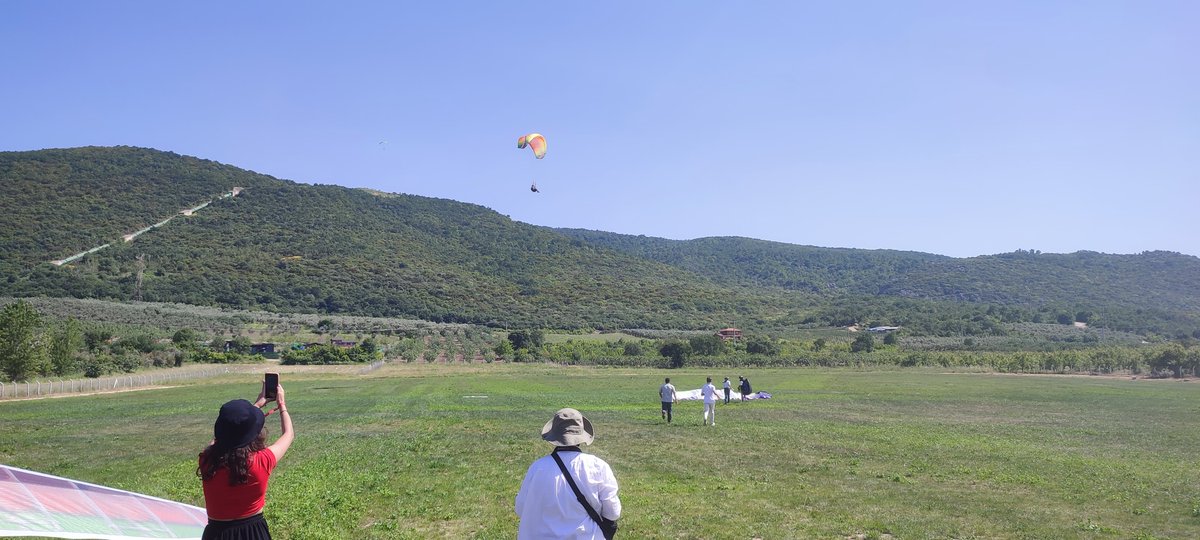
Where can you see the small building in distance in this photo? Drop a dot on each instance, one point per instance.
(729, 333)
(262, 348)
(344, 344)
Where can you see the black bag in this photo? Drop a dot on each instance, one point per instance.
(608, 527)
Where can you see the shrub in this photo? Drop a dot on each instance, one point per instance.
(127, 363)
(185, 338)
(863, 343)
(142, 343)
(97, 366)
(504, 349)
(763, 346)
(676, 351)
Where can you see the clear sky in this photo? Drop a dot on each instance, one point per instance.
(959, 128)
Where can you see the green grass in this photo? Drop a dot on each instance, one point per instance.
(402, 453)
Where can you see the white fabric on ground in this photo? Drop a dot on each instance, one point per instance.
(694, 395)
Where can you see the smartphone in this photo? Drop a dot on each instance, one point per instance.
(270, 382)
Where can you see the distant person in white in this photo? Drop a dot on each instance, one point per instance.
(710, 402)
(546, 504)
(727, 388)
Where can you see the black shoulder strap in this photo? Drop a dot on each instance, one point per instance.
(571, 480)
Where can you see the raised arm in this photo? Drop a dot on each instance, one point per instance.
(286, 433)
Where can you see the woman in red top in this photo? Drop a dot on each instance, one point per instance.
(236, 465)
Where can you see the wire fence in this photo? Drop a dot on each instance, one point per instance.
(53, 387)
(372, 367)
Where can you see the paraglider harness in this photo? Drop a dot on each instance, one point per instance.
(608, 527)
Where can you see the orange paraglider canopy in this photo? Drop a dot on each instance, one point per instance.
(536, 142)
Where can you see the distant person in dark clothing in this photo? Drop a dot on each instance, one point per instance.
(745, 388)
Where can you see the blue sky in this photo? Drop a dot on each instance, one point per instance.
(959, 128)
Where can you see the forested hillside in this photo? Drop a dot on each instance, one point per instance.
(284, 246)
(62, 201)
(1151, 291)
(293, 247)
(760, 263)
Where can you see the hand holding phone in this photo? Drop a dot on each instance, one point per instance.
(270, 385)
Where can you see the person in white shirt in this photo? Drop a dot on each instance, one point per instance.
(727, 389)
(546, 504)
(666, 393)
(709, 392)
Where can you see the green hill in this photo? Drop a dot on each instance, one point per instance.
(1152, 291)
(62, 201)
(284, 246)
(293, 247)
(760, 263)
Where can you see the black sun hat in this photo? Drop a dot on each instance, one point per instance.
(238, 424)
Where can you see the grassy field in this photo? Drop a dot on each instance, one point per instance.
(412, 451)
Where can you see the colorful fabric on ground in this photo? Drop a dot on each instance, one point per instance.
(36, 504)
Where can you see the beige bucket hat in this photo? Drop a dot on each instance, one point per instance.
(568, 427)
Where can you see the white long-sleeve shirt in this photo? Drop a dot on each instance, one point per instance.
(709, 392)
(547, 506)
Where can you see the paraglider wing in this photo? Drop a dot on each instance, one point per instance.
(536, 142)
(36, 504)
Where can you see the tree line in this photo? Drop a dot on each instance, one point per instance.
(1169, 359)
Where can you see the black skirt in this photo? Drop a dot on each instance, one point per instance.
(251, 528)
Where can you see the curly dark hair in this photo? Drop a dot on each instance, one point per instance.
(236, 460)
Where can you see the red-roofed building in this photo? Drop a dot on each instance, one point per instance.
(729, 333)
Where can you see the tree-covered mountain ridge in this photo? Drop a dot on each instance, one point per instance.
(287, 246)
(284, 246)
(1151, 280)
